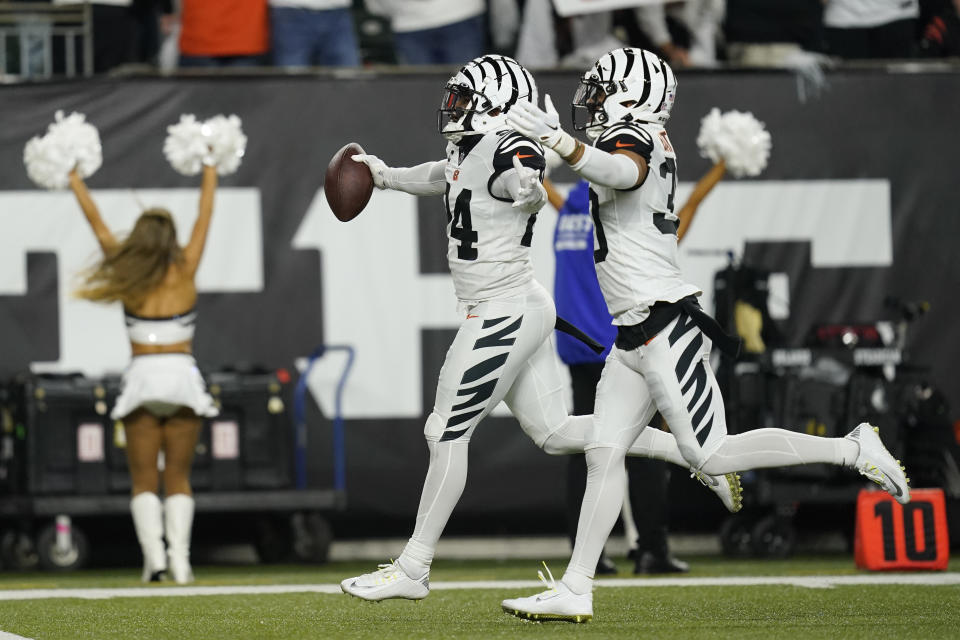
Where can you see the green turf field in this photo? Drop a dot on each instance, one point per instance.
(861, 611)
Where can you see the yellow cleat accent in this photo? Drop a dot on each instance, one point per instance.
(547, 617)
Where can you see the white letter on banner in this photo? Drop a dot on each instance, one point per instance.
(847, 222)
(376, 301)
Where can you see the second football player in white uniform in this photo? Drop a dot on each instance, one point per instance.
(490, 181)
(660, 361)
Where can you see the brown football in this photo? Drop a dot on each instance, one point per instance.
(348, 184)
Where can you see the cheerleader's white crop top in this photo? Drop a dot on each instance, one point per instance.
(161, 331)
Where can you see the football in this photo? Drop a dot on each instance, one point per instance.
(348, 184)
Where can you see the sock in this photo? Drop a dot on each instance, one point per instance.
(606, 481)
(446, 477)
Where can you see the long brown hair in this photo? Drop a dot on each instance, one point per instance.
(133, 268)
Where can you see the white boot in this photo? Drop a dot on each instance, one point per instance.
(147, 514)
(178, 510)
(389, 581)
(557, 603)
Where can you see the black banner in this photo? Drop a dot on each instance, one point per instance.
(858, 203)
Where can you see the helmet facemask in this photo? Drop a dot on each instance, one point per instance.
(590, 97)
(464, 111)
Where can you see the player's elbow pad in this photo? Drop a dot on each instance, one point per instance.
(614, 170)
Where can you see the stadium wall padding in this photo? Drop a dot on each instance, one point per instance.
(283, 276)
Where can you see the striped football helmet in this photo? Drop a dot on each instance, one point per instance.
(624, 85)
(477, 99)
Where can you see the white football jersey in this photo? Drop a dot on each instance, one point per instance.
(488, 240)
(635, 230)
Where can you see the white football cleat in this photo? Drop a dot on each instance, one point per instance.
(876, 463)
(727, 487)
(557, 603)
(388, 581)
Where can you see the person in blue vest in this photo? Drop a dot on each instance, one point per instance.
(579, 300)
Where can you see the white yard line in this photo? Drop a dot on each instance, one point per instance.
(810, 582)
(11, 636)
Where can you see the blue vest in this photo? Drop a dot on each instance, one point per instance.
(576, 291)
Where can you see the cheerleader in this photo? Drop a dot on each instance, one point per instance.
(163, 399)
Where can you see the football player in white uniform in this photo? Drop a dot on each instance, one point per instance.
(491, 184)
(660, 360)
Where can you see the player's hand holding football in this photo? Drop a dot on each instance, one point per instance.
(542, 125)
(531, 196)
(377, 168)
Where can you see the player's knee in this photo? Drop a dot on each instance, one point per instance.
(433, 429)
(557, 445)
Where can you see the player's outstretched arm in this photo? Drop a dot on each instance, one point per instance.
(198, 237)
(425, 179)
(619, 170)
(85, 200)
(700, 191)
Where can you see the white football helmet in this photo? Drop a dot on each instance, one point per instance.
(624, 85)
(476, 100)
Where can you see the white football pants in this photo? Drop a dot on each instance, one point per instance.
(502, 351)
(672, 374)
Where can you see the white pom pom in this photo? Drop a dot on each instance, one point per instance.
(218, 141)
(737, 138)
(70, 143)
(227, 142)
(185, 146)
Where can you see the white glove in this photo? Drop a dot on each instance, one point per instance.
(378, 168)
(531, 195)
(553, 160)
(533, 122)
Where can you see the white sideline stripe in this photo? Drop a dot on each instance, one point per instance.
(11, 636)
(810, 582)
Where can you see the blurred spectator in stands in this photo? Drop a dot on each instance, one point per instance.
(223, 33)
(308, 33)
(434, 31)
(941, 33)
(504, 18)
(576, 42)
(692, 40)
(761, 33)
(114, 32)
(684, 33)
(871, 28)
(149, 15)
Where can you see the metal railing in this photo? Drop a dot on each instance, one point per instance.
(39, 39)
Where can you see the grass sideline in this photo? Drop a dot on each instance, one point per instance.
(868, 611)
